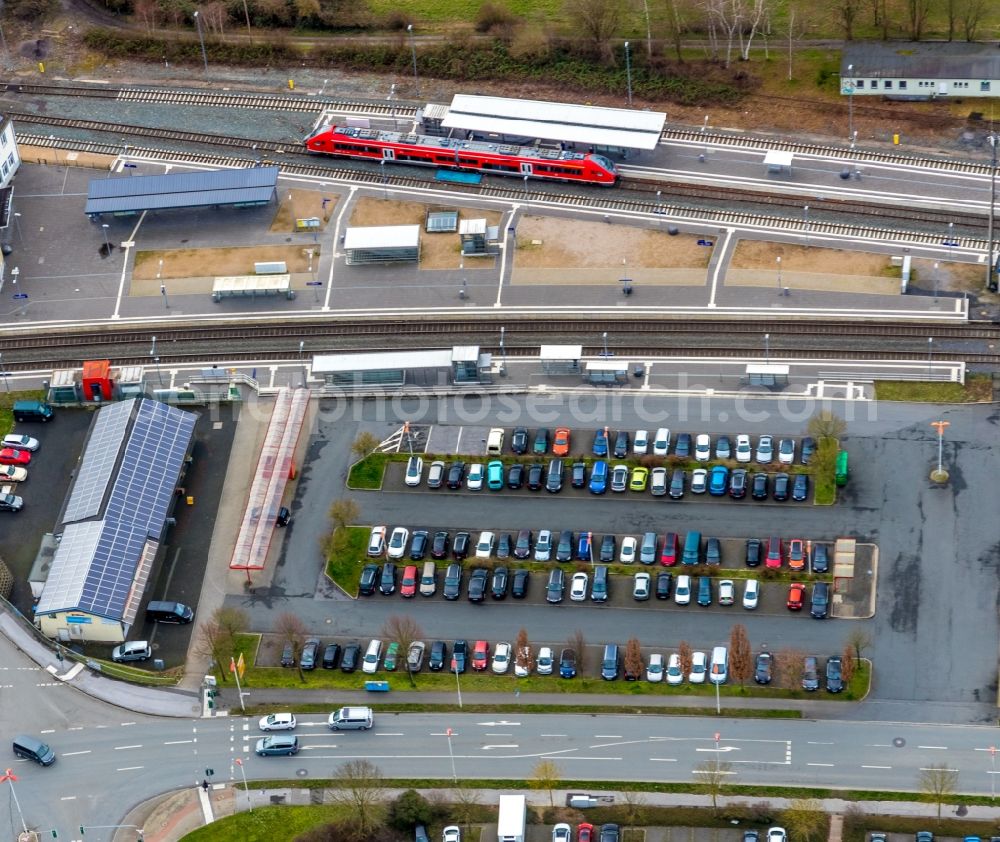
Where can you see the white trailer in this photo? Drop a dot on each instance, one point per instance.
(513, 813)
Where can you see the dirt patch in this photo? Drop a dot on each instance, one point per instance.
(296, 204)
(952, 277)
(61, 157)
(437, 251)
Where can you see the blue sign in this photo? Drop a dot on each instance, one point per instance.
(129, 166)
(704, 242)
(314, 283)
(18, 296)
(949, 243)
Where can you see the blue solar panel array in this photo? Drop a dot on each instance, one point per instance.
(99, 460)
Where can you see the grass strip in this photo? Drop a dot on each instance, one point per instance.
(346, 556)
(977, 388)
(366, 474)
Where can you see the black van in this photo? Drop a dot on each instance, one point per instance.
(169, 612)
(32, 748)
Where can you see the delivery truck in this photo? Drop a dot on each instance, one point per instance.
(513, 812)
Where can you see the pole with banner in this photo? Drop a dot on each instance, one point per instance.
(237, 668)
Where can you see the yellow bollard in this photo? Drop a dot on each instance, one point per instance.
(41, 67)
(189, 500)
(291, 84)
(895, 140)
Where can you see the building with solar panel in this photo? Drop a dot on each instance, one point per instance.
(114, 520)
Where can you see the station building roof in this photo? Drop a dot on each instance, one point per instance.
(331, 363)
(941, 60)
(587, 124)
(252, 185)
(382, 237)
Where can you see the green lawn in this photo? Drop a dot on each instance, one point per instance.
(977, 388)
(367, 473)
(266, 824)
(7, 403)
(345, 561)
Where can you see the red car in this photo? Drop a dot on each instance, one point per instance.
(773, 558)
(10, 456)
(560, 444)
(409, 585)
(668, 555)
(796, 596)
(584, 832)
(481, 656)
(797, 554)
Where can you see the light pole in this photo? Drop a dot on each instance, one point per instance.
(778, 261)
(805, 217)
(10, 777)
(163, 292)
(156, 361)
(991, 281)
(718, 709)
(413, 50)
(385, 186)
(940, 426)
(628, 72)
(930, 351)
(3, 374)
(454, 774)
(767, 348)
(17, 222)
(302, 345)
(850, 102)
(392, 103)
(107, 242)
(936, 264)
(239, 762)
(201, 38)
(993, 775)
(503, 354)
(704, 139)
(604, 336)
(458, 684)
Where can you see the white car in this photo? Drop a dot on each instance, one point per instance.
(484, 549)
(13, 473)
(654, 669)
(414, 471)
(640, 587)
(751, 594)
(727, 592)
(699, 481)
(699, 668)
(578, 587)
(703, 447)
(474, 479)
(776, 834)
(658, 482)
(744, 453)
(397, 542)
(376, 541)
(786, 451)
(277, 722)
(562, 833)
(640, 444)
(452, 833)
(372, 654)
(501, 658)
(20, 442)
(543, 546)
(629, 548)
(765, 450)
(545, 661)
(661, 444)
(523, 671)
(682, 590)
(675, 675)
(435, 474)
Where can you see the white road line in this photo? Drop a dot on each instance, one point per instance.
(313, 748)
(177, 742)
(878, 745)
(817, 743)
(664, 759)
(607, 736)
(506, 745)
(819, 764)
(68, 798)
(122, 748)
(941, 748)
(875, 767)
(48, 731)
(128, 723)
(938, 769)
(75, 728)
(74, 753)
(552, 735)
(129, 768)
(391, 734)
(493, 734)
(712, 772)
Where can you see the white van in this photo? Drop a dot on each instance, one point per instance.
(718, 670)
(372, 655)
(351, 719)
(494, 442)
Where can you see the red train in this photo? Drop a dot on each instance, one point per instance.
(452, 153)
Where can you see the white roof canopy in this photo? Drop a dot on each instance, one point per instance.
(778, 158)
(382, 236)
(620, 127)
(561, 352)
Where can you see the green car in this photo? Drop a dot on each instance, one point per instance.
(389, 663)
(494, 475)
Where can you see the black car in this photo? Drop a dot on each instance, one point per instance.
(477, 584)
(758, 487)
(578, 475)
(459, 653)
(310, 652)
(555, 587)
(820, 559)
(418, 546)
(820, 600)
(460, 549)
(808, 448)
(677, 480)
(762, 668)
(621, 444)
(609, 547)
(453, 581)
(834, 677)
(554, 476)
(738, 484)
(753, 552)
(498, 587)
(519, 587)
(522, 547)
(564, 549)
(439, 547)
(536, 477)
(810, 673)
(387, 581)
(519, 440)
(567, 664)
(438, 656)
(456, 474)
(713, 551)
(369, 580)
(288, 655)
(610, 833)
(664, 581)
(504, 545)
(683, 447)
(330, 656)
(540, 446)
(800, 487)
(704, 591)
(349, 660)
(781, 487)
(515, 476)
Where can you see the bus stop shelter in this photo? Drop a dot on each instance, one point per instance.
(607, 372)
(561, 359)
(767, 375)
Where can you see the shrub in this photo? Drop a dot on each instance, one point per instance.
(494, 16)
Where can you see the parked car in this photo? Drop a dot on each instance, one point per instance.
(744, 453)
(723, 448)
(658, 482)
(753, 552)
(834, 676)
(738, 484)
(699, 668)
(777, 834)
(13, 456)
(536, 476)
(287, 654)
(599, 477)
(781, 488)
(415, 656)
(331, 654)
(440, 544)
(494, 475)
(387, 579)
(522, 662)
(435, 474)
(545, 662)
(504, 546)
(758, 486)
(484, 547)
(664, 583)
(675, 675)
(373, 654)
(629, 549)
(727, 592)
(460, 548)
(682, 590)
(683, 447)
(718, 481)
(376, 542)
(820, 600)
(703, 447)
(418, 545)
(807, 450)
(578, 587)
(564, 548)
(762, 667)
(480, 656)
(519, 440)
(668, 553)
(369, 580)
(408, 584)
(678, 480)
(713, 552)
(622, 444)
(654, 668)
(578, 475)
(796, 596)
(765, 450)
(554, 476)
(523, 544)
(459, 656)
(567, 663)
(600, 447)
(453, 581)
(452, 833)
(349, 660)
(498, 583)
(455, 476)
(391, 659)
(820, 560)
(20, 442)
(396, 548)
(640, 586)
(501, 658)
(414, 471)
(704, 591)
(562, 832)
(519, 588)
(647, 549)
(699, 481)
(583, 547)
(619, 478)
(751, 594)
(540, 446)
(640, 442)
(661, 442)
(773, 559)
(640, 477)
(810, 673)
(560, 442)
(477, 584)
(609, 548)
(543, 546)
(800, 488)
(786, 451)
(515, 476)
(796, 554)
(556, 585)
(476, 477)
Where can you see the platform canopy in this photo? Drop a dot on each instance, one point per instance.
(586, 124)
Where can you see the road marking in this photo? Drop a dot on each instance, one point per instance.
(128, 723)
(390, 734)
(819, 764)
(878, 745)
(73, 753)
(817, 743)
(48, 731)
(712, 772)
(607, 736)
(495, 734)
(68, 798)
(75, 728)
(939, 769)
(313, 748)
(122, 748)
(500, 722)
(664, 759)
(129, 768)
(552, 735)
(508, 745)
(875, 767)
(941, 748)
(177, 742)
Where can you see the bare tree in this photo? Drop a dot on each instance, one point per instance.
(364, 444)
(633, 657)
(215, 640)
(938, 784)
(466, 805)
(578, 643)
(859, 640)
(827, 425)
(847, 665)
(788, 666)
(404, 630)
(677, 23)
(291, 629)
(599, 21)
(635, 807)
(847, 12)
(805, 819)
(522, 650)
(360, 787)
(547, 775)
(973, 12)
(712, 775)
(740, 654)
(344, 512)
(917, 13)
(684, 651)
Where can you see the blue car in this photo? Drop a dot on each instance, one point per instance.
(718, 481)
(599, 476)
(601, 443)
(583, 548)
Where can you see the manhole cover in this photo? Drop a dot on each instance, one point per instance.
(302, 773)
(899, 742)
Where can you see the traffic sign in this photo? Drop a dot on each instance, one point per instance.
(18, 296)
(129, 166)
(949, 243)
(704, 242)
(314, 283)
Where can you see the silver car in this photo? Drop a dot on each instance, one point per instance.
(658, 482)
(765, 450)
(619, 478)
(435, 474)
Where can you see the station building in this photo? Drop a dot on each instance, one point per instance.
(920, 70)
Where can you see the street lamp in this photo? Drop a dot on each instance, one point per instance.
(767, 348)
(302, 345)
(3, 374)
(850, 101)
(17, 222)
(10, 777)
(605, 338)
(201, 38)
(628, 72)
(805, 217)
(458, 684)
(993, 775)
(454, 774)
(163, 292)
(413, 50)
(930, 350)
(936, 264)
(778, 261)
(991, 280)
(239, 762)
(704, 139)
(107, 242)
(503, 354)
(940, 426)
